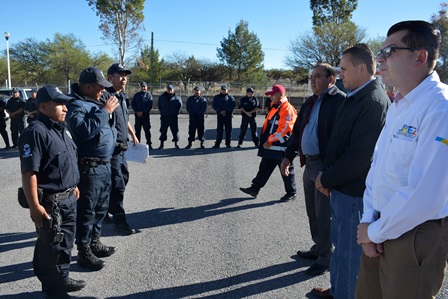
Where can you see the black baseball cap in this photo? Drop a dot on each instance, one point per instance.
(197, 87)
(49, 93)
(250, 89)
(143, 84)
(94, 75)
(117, 68)
(169, 86)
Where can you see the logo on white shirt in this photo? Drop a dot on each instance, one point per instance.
(407, 132)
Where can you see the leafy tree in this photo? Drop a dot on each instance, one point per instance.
(441, 23)
(375, 43)
(276, 74)
(211, 72)
(142, 69)
(181, 68)
(121, 22)
(3, 70)
(323, 44)
(67, 57)
(332, 11)
(53, 61)
(29, 60)
(241, 52)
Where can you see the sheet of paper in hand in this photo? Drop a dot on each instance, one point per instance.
(137, 152)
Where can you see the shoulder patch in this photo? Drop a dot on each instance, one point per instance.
(27, 151)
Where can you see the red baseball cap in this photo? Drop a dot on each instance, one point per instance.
(276, 88)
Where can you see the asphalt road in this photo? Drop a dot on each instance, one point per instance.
(198, 235)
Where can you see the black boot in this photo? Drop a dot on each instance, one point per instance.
(175, 145)
(189, 145)
(99, 249)
(122, 226)
(161, 145)
(202, 144)
(87, 259)
(73, 285)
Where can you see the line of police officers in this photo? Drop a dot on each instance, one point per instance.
(74, 171)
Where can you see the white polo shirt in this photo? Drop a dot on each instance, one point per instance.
(408, 180)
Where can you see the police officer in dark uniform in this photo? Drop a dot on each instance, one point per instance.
(49, 164)
(196, 107)
(15, 108)
(3, 123)
(93, 129)
(223, 104)
(249, 106)
(118, 77)
(142, 105)
(31, 107)
(169, 105)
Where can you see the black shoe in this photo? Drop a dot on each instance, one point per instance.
(176, 146)
(188, 146)
(87, 259)
(161, 146)
(317, 269)
(150, 147)
(215, 146)
(250, 191)
(306, 255)
(202, 145)
(74, 285)
(124, 228)
(7, 147)
(238, 146)
(257, 145)
(108, 219)
(228, 146)
(288, 197)
(101, 250)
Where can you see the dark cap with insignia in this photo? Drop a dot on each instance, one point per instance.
(117, 68)
(93, 75)
(49, 93)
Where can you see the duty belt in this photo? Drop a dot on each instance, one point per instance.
(312, 157)
(93, 162)
(61, 195)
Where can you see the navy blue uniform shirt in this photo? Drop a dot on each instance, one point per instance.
(15, 104)
(249, 104)
(47, 148)
(121, 114)
(2, 112)
(142, 102)
(30, 105)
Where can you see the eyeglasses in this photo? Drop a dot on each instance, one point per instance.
(317, 76)
(386, 52)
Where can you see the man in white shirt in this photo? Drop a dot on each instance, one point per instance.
(404, 227)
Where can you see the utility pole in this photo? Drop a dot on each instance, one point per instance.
(151, 74)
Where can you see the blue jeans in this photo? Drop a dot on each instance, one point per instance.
(344, 265)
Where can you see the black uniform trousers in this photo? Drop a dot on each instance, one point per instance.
(51, 263)
(245, 121)
(267, 166)
(318, 209)
(224, 122)
(4, 133)
(196, 123)
(120, 178)
(94, 188)
(144, 122)
(17, 126)
(171, 122)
